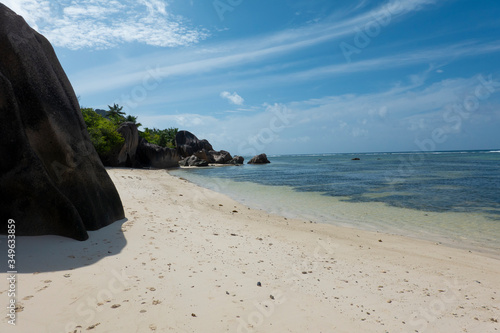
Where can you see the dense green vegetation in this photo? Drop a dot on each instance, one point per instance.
(164, 138)
(103, 132)
(105, 137)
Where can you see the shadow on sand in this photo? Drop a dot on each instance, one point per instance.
(56, 253)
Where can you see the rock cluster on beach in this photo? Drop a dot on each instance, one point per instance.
(195, 152)
(200, 153)
(51, 178)
(136, 152)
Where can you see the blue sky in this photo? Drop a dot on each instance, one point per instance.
(288, 76)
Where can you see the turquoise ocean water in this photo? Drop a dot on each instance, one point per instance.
(447, 197)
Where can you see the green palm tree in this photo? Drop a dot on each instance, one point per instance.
(115, 111)
(115, 114)
(133, 119)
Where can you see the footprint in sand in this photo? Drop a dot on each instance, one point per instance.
(45, 287)
(93, 326)
(78, 329)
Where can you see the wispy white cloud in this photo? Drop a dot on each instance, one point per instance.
(100, 24)
(115, 76)
(234, 98)
(445, 53)
(255, 51)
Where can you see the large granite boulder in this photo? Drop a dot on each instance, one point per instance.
(259, 159)
(124, 155)
(188, 144)
(51, 178)
(154, 156)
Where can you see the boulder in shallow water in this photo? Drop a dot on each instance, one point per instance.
(220, 157)
(236, 160)
(259, 159)
(51, 178)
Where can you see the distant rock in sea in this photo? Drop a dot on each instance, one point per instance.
(51, 178)
(259, 159)
(356, 159)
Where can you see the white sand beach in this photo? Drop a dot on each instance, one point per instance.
(187, 259)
